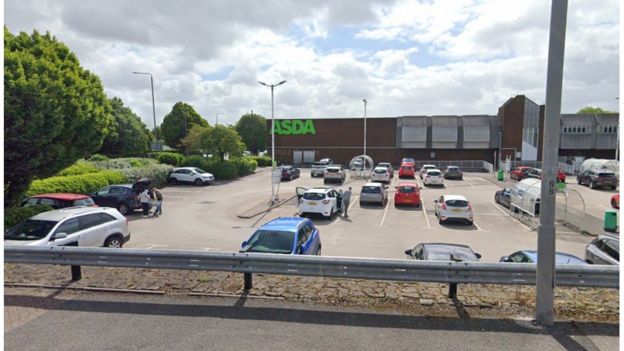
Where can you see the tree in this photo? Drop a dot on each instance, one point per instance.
(252, 129)
(177, 122)
(129, 136)
(193, 141)
(593, 111)
(222, 140)
(55, 111)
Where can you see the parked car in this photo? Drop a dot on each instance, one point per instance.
(373, 193)
(123, 197)
(318, 167)
(380, 174)
(59, 200)
(406, 171)
(285, 235)
(503, 197)
(408, 160)
(535, 173)
(289, 172)
(407, 194)
(597, 178)
(605, 249)
(453, 172)
(77, 226)
(334, 173)
(357, 164)
(530, 256)
(193, 175)
(520, 173)
(443, 252)
(433, 177)
(324, 201)
(453, 207)
(425, 168)
(388, 166)
(615, 201)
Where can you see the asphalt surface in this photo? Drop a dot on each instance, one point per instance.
(87, 321)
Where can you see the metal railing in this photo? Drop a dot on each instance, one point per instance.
(338, 267)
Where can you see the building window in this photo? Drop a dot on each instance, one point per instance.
(576, 130)
(603, 129)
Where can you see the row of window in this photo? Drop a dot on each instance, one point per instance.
(607, 129)
(602, 129)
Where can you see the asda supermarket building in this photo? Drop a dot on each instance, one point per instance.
(516, 131)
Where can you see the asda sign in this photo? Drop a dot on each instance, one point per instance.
(294, 127)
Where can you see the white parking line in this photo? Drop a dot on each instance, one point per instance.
(467, 181)
(475, 224)
(422, 203)
(352, 207)
(151, 246)
(385, 213)
(498, 208)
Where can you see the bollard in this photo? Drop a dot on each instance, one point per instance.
(76, 273)
(248, 281)
(452, 290)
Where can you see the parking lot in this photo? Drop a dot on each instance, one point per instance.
(205, 219)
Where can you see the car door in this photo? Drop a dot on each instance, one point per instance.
(71, 227)
(333, 198)
(302, 241)
(101, 197)
(300, 191)
(93, 229)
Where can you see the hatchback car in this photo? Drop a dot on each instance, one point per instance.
(443, 252)
(123, 197)
(59, 200)
(285, 235)
(290, 172)
(433, 177)
(380, 174)
(520, 173)
(318, 167)
(605, 249)
(373, 193)
(407, 194)
(597, 178)
(78, 226)
(406, 171)
(530, 256)
(323, 201)
(334, 174)
(193, 175)
(453, 207)
(425, 168)
(453, 172)
(388, 166)
(503, 197)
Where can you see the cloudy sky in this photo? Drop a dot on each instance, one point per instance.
(405, 57)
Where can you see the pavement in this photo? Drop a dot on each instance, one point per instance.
(86, 321)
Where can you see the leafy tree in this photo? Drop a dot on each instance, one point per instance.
(222, 140)
(252, 128)
(193, 141)
(177, 122)
(593, 110)
(55, 111)
(129, 136)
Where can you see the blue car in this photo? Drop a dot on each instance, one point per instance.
(530, 256)
(285, 235)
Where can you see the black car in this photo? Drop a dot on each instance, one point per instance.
(123, 197)
(443, 252)
(290, 172)
(597, 178)
(503, 197)
(453, 172)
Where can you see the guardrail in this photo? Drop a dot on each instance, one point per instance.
(340, 267)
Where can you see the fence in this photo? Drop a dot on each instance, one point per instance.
(465, 165)
(570, 210)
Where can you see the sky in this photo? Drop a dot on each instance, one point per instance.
(405, 57)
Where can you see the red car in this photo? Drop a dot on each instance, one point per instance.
(60, 200)
(520, 172)
(407, 194)
(615, 201)
(406, 170)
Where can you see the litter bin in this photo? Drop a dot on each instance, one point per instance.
(610, 220)
(500, 175)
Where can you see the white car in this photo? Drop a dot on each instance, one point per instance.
(453, 207)
(74, 226)
(334, 173)
(323, 201)
(433, 177)
(193, 175)
(425, 168)
(380, 174)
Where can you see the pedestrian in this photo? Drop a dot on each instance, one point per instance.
(144, 198)
(159, 200)
(346, 197)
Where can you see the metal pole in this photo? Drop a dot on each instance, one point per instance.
(272, 148)
(500, 149)
(364, 129)
(545, 278)
(154, 108)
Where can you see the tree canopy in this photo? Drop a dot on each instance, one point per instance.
(593, 110)
(176, 124)
(128, 136)
(55, 111)
(252, 129)
(222, 140)
(194, 141)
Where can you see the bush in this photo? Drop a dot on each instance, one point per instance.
(13, 216)
(80, 167)
(222, 170)
(98, 157)
(158, 173)
(170, 158)
(263, 161)
(122, 163)
(228, 169)
(194, 161)
(79, 184)
(245, 166)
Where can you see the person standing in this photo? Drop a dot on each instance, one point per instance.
(159, 200)
(346, 197)
(144, 198)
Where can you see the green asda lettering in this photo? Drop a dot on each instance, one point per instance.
(294, 127)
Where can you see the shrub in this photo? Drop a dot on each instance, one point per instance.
(244, 166)
(80, 167)
(121, 163)
(194, 161)
(170, 158)
(228, 169)
(80, 184)
(158, 173)
(263, 161)
(14, 215)
(98, 157)
(222, 170)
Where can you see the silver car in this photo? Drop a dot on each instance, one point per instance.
(374, 193)
(605, 249)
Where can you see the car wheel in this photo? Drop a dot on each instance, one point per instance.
(440, 221)
(115, 242)
(578, 180)
(318, 251)
(361, 204)
(198, 182)
(123, 209)
(496, 199)
(173, 181)
(592, 185)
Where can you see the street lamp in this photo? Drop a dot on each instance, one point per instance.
(272, 86)
(217, 117)
(153, 105)
(365, 102)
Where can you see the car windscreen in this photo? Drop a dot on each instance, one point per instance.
(84, 202)
(452, 169)
(30, 229)
(266, 240)
(407, 189)
(606, 174)
(381, 171)
(410, 160)
(333, 170)
(456, 203)
(314, 196)
(434, 173)
(199, 170)
(383, 165)
(371, 189)
(450, 254)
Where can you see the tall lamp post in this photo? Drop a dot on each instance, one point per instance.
(272, 86)
(153, 104)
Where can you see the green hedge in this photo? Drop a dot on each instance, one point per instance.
(159, 173)
(14, 215)
(122, 163)
(170, 158)
(98, 157)
(263, 161)
(80, 167)
(194, 161)
(245, 165)
(228, 169)
(79, 184)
